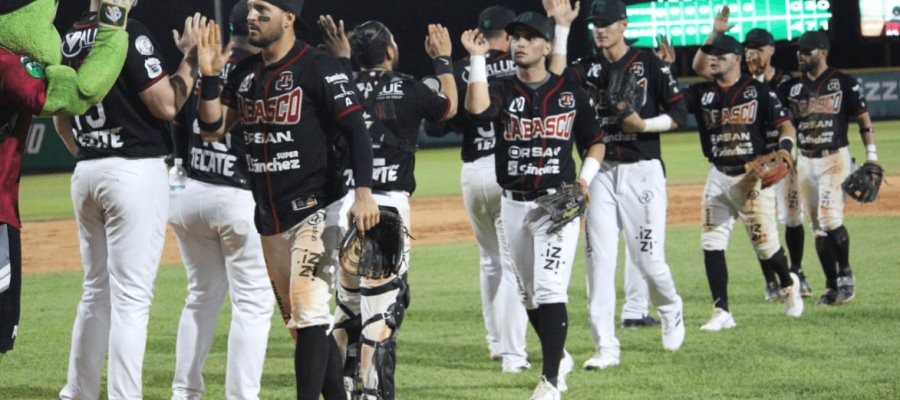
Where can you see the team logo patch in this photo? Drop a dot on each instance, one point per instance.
(750, 93)
(795, 90)
(834, 84)
(285, 81)
(303, 203)
(594, 72)
(112, 15)
(646, 197)
(707, 98)
(143, 45)
(567, 100)
(154, 67)
(245, 84)
(34, 68)
(638, 68)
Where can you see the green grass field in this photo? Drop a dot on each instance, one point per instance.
(839, 352)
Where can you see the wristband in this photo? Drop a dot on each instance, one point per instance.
(786, 144)
(477, 69)
(871, 152)
(560, 40)
(209, 127)
(442, 65)
(659, 123)
(209, 87)
(589, 169)
(868, 129)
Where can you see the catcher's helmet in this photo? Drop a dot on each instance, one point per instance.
(379, 253)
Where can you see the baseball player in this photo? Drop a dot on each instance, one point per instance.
(501, 303)
(395, 105)
(734, 112)
(120, 195)
(213, 218)
(759, 47)
(631, 186)
(823, 101)
(295, 105)
(544, 116)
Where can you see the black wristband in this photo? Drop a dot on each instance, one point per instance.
(868, 129)
(209, 127)
(442, 65)
(209, 87)
(786, 144)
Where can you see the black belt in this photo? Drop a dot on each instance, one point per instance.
(526, 196)
(818, 153)
(731, 170)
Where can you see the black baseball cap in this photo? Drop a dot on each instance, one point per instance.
(757, 38)
(606, 12)
(292, 6)
(723, 44)
(532, 21)
(238, 19)
(495, 17)
(813, 40)
(8, 6)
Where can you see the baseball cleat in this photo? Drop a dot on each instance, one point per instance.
(720, 319)
(566, 365)
(601, 360)
(773, 292)
(515, 368)
(672, 329)
(544, 391)
(845, 291)
(805, 289)
(793, 302)
(829, 297)
(643, 322)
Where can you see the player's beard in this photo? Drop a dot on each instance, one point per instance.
(263, 40)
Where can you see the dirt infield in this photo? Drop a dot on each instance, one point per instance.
(53, 246)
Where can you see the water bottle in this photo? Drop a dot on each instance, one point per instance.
(177, 176)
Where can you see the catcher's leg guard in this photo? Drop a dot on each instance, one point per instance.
(347, 332)
(383, 307)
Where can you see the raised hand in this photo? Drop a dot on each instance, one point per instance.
(721, 25)
(334, 36)
(474, 42)
(211, 56)
(664, 50)
(437, 43)
(562, 11)
(187, 40)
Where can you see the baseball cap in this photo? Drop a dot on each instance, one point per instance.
(7, 6)
(238, 19)
(813, 40)
(533, 21)
(757, 38)
(293, 6)
(495, 17)
(605, 12)
(723, 44)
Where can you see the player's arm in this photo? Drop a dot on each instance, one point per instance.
(720, 26)
(589, 135)
(166, 96)
(478, 98)
(780, 118)
(857, 106)
(213, 117)
(563, 14)
(439, 47)
(63, 127)
(665, 88)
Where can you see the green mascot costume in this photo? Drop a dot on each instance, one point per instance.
(32, 82)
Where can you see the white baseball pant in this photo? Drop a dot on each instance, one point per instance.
(120, 207)
(726, 197)
(222, 254)
(820, 189)
(501, 303)
(787, 200)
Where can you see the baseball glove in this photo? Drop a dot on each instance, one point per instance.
(379, 253)
(624, 93)
(568, 203)
(863, 184)
(771, 168)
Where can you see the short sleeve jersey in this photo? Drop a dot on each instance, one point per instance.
(121, 125)
(541, 129)
(661, 94)
(289, 112)
(393, 118)
(733, 120)
(823, 108)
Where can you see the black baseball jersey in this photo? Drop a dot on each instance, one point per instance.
(292, 112)
(479, 137)
(393, 117)
(121, 125)
(780, 76)
(660, 92)
(223, 162)
(541, 126)
(733, 121)
(822, 108)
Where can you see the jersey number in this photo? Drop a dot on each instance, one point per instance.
(487, 139)
(517, 105)
(95, 117)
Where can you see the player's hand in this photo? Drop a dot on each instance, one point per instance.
(474, 42)
(664, 50)
(334, 36)
(562, 11)
(211, 56)
(365, 210)
(186, 41)
(633, 123)
(584, 189)
(437, 43)
(720, 25)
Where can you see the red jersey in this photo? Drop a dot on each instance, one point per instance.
(23, 92)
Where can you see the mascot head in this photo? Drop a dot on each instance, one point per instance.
(26, 27)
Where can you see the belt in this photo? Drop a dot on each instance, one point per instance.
(818, 153)
(526, 196)
(731, 170)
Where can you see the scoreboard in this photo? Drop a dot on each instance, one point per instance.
(688, 22)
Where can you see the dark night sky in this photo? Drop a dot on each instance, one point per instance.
(408, 20)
